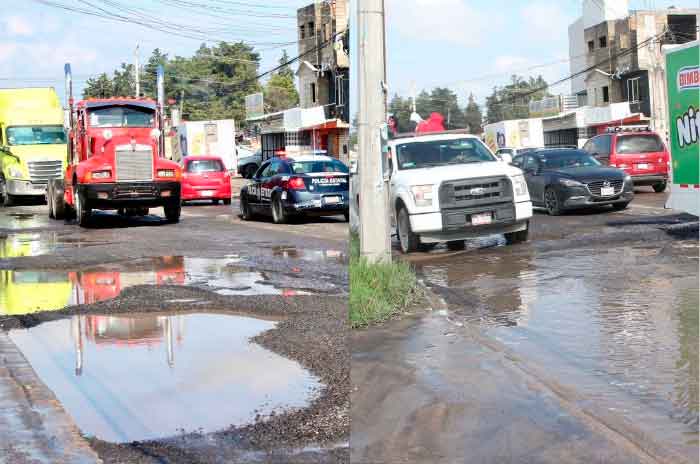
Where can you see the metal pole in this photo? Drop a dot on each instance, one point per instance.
(136, 72)
(375, 240)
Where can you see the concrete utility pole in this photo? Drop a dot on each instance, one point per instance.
(137, 76)
(375, 240)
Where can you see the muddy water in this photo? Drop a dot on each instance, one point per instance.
(35, 244)
(27, 291)
(620, 325)
(151, 376)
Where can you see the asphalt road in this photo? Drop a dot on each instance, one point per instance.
(578, 346)
(137, 286)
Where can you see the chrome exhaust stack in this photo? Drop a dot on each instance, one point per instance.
(160, 89)
(68, 111)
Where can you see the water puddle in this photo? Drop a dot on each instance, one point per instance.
(305, 254)
(22, 220)
(147, 376)
(36, 244)
(619, 324)
(27, 291)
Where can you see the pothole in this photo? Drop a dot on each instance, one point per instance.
(148, 376)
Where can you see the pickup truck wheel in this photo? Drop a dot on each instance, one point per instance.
(279, 215)
(82, 210)
(551, 202)
(407, 239)
(172, 212)
(660, 187)
(517, 237)
(456, 245)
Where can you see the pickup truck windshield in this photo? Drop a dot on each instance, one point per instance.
(122, 116)
(417, 155)
(35, 135)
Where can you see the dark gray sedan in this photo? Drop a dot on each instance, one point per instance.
(565, 179)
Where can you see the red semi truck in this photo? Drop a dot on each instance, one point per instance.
(116, 158)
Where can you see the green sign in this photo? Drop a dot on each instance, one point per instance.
(683, 80)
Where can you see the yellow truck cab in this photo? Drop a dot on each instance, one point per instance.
(32, 142)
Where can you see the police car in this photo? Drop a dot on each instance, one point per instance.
(306, 185)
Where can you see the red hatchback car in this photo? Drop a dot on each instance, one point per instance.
(205, 178)
(639, 152)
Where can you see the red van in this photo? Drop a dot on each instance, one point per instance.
(640, 152)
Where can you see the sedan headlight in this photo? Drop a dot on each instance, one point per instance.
(15, 171)
(570, 183)
(520, 186)
(166, 173)
(423, 194)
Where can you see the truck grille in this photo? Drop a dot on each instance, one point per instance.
(475, 192)
(41, 171)
(594, 187)
(134, 165)
(141, 191)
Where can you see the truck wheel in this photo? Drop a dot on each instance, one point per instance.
(246, 214)
(456, 245)
(172, 212)
(82, 210)
(551, 202)
(408, 241)
(49, 199)
(279, 215)
(518, 237)
(660, 187)
(57, 207)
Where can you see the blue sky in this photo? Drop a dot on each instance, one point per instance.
(36, 39)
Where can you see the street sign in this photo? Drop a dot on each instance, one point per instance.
(254, 105)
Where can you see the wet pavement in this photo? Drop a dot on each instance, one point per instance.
(147, 376)
(223, 318)
(579, 346)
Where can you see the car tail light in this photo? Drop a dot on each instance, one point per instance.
(296, 183)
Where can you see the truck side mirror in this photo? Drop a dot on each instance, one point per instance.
(507, 158)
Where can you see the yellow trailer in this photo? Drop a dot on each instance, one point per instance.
(32, 142)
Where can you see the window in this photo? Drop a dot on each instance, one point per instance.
(633, 144)
(312, 30)
(624, 40)
(313, 92)
(530, 164)
(603, 41)
(35, 135)
(591, 45)
(602, 145)
(305, 167)
(633, 90)
(518, 161)
(206, 165)
(417, 155)
(606, 94)
(264, 170)
(302, 32)
(122, 116)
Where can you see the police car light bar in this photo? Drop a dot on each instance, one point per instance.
(629, 129)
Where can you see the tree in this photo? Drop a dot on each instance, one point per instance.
(401, 109)
(285, 70)
(102, 87)
(124, 82)
(473, 116)
(511, 101)
(280, 92)
(444, 101)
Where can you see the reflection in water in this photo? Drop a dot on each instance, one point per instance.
(308, 255)
(139, 377)
(619, 324)
(23, 292)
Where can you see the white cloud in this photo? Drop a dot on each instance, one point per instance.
(508, 63)
(545, 20)
(18, 26)
(452, 22)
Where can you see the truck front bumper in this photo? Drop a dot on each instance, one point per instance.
(454, 224)
(130, 195)
(25, 187)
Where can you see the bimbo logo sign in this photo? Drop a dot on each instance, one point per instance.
(688, 78)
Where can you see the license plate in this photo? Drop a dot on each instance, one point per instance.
(331, 200)
(607, 191)
(643, 166)
(481, 219)
(207, 193)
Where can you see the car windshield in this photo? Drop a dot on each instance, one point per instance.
(122, 116)
(35, 135)
(207, 165)
(417, 155)
(628, 144)
(574, 159)
(305, 167)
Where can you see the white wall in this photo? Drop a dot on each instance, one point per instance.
(597, 11)
(577, 56)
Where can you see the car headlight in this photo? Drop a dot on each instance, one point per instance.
(520, 186)
(101, 174)
(166, 173)
(423, 194)
(15, 171)
(570, 183)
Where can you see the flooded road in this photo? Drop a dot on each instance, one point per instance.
(578, 346)
(147, 376)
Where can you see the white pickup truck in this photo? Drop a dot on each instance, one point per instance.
(447, 187)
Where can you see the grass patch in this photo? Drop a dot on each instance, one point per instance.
(378, 291)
